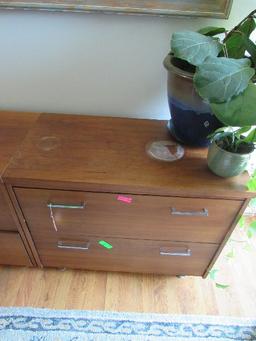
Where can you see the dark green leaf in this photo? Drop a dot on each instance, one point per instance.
(240, 111)
(193, 46)
(211, 30)
(222, 286)
(247, 27)
(235, 44)
(250, 48)
(220, 79)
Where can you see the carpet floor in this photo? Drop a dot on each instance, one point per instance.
(32, 324)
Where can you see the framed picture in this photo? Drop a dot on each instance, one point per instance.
(202, 8)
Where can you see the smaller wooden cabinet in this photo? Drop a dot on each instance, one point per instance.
(14, 249)
(81, 181)
(6, 219)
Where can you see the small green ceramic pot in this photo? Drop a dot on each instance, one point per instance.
(224, 163)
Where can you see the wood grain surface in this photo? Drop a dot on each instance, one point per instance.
(6, 219)
(105, 154)
(12, 251)
(127, 255)
(146, 217)
(13, 128)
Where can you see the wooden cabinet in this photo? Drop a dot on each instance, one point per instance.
(6, 220)
(13, 244)
(88, 196)
(12, 250)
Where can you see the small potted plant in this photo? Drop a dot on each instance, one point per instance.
(231, 150)
(208, 67)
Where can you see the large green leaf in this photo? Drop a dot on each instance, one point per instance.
(234, 42)
(194, 47)
(211, 30)
(219, 79)
(240, 111)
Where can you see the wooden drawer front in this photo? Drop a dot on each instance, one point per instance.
(12, 251)
(146, 217)
(6, 220)
(126, 255)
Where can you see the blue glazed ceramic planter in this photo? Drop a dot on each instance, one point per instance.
(191, 118)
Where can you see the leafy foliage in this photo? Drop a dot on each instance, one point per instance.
(233, 139)
(234, 42)
(211, 30)
(219, 79)
(194, 47)
(225, 70)
(239, 111)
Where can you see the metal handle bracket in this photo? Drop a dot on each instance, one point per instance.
(69, 245)
(68, 206)
(203, 213)
(187, 253)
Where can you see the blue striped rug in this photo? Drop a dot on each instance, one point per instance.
(29, 324)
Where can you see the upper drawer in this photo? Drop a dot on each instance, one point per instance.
(143, 217)
(6, 220)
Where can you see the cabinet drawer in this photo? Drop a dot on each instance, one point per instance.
(12, 251)
(126, 255)
(141, 217)
(6, 220)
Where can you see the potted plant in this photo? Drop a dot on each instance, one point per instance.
(231, 150)
(205, 72)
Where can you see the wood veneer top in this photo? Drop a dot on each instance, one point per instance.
(13, 128)
(108, 154)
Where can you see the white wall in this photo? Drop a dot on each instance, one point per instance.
(90, 63)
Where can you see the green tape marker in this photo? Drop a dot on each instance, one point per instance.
(105, 244)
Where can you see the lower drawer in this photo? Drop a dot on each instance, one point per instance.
(128, 255)
(12, 251)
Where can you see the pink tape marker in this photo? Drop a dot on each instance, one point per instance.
(127, 200)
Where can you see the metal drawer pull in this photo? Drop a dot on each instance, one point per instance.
(203, 213)
(67, 245)
(50, 205)
(187, 253)
(72, 206)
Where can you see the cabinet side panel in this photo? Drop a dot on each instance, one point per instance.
(232, 227)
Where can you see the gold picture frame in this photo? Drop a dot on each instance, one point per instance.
(194, 8)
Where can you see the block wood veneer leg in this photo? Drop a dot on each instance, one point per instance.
(22, 227)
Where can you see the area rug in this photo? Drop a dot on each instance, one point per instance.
(29, 324)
